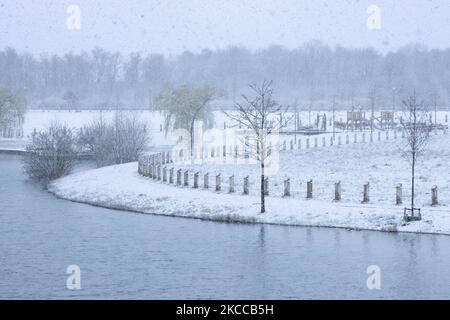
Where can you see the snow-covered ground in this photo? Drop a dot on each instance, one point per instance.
(379, 163)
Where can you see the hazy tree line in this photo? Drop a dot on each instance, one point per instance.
(310, 75)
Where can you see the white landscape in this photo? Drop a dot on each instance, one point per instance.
(379, 163)
(225, 150)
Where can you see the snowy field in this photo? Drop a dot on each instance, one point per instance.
(40, 119)
(379, 163)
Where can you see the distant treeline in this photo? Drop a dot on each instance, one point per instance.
(310, 75)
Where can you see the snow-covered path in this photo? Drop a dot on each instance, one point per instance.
(121, 187)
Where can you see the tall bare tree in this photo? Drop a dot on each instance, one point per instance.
(417, 132)
(262, 116)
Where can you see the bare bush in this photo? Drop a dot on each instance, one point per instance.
(121, 140)
(51, 153)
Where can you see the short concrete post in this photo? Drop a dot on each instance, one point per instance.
(231, 184)
(379, 135)
(186, 178)
(245, 185)
(347, 139)
(323, 142)
(159, 172)
(266, 186)
(299, 146)
(150, 171)
(355, 138)
(395, 134)
(218, 182)
(434, 196)
(387, 134)
(287, 188)
(165, 174)
(364, 137)
(398, 194)
(309, 189)
(171, 175)
(206, 181)
(315, 142)
(337, 191)
(331, 141)
(196, 180)
(371, 136)
(307, 143)
(179, 177)
(366, 193)
(154, 173)
(339, 140)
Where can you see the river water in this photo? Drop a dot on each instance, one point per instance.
(125, 255)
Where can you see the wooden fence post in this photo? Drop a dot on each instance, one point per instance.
(398, 194)
(337, 191)
(179, 177)
(434, 196)
(171, 175)
(309, 189)
(231, 184)
(196, 180)
(186, 178)
(218, 182)
(246, 189)
(287, 188)
(366, 197)
(206, 181)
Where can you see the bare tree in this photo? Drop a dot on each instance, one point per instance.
(119, 141)
(417, 132)
(262, 116)
(51, 153)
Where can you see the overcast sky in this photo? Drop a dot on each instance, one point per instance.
(172, 26)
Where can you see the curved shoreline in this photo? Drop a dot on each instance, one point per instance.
(120, 187)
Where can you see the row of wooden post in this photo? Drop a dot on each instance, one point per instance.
(158, 173)
(182, 178)
(340, 142)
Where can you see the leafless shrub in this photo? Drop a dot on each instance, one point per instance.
(51, 153)
(121, 140)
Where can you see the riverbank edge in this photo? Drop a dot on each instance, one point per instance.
(117, 208)
(217, 216)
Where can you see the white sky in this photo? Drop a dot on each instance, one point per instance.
(172, 26)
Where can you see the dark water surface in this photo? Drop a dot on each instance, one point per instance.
(127, 255)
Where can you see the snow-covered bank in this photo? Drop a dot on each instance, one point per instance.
(121, 187)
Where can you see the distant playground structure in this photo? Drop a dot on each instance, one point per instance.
(356, 120)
